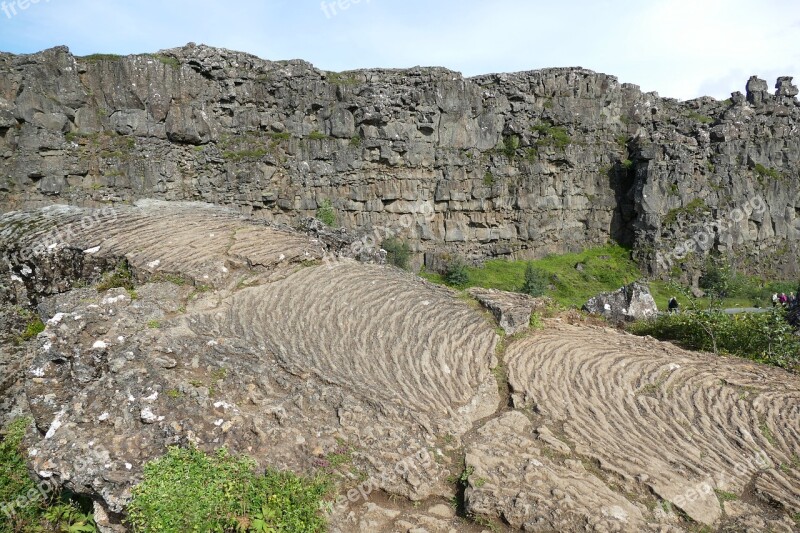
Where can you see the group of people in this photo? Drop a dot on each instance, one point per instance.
(782, 299)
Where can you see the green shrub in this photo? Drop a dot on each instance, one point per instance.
(536, 281)
(550, 135)
(188, 490)
(280, 136)
(170, 61)
(121, 277)
(488, 178)
(510, 146)
(317, 136)
(355, 141)
(764, 172)
(397, 252)
(699, 117)
(764, 337)
(33, 328)
(456, 273)
(326, 213)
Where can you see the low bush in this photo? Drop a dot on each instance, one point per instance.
(764, 337)
(121, 277)
(456, 273)
(536, 281)
(326, 213)
(188, 490)
(397, 252)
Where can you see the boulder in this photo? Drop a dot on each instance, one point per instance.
(512, 310)
(631, 302)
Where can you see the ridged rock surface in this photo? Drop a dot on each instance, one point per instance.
(249, 336)
(653, 418)
(518, 164)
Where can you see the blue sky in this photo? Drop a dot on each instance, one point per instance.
(680, 48)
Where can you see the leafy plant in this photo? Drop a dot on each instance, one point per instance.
(121, 277)
(488, 178)
(765, 172)
(326, 213)
(510, 146)
(456, 273)
(317, 136)
(763, 337)
(33, 328)
(536, 281)
(397, 252)
(550, 135)
(188, 490)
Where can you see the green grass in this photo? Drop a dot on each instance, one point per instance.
(43, 510)
(34, 327)
(121, 277)
(239, 155)
(188, 490)
(606, 268)
(699, 117)
(317, 136)
(170, 61)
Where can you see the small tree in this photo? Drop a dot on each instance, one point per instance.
(397, 252)
(456, 273)
(536, 281)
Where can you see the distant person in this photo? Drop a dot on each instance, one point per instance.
(673, 305)
(782, 298)
(791, 299)
(775, 299)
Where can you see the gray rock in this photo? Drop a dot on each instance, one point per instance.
(631, 302)
(512, 310)
(414, 152)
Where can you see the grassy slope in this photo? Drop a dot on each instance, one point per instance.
(606, 268)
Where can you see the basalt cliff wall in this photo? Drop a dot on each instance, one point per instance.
(516, 165)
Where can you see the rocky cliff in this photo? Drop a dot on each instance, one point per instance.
(515, 165)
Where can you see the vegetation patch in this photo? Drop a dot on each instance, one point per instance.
(554, 136)
(699, 117)
(33, 509)
(605, 268)
(397, 252)
(96, 58)
(121, 277)
(341, 79)
(536, 281)
(188, 490)
(765, 337)
(457, 273)
(317, 136)
(170, 61)
(766, 172)
(510, 146)
(691, 210)
(326, 213)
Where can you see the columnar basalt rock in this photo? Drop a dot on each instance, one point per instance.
(516, 165)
